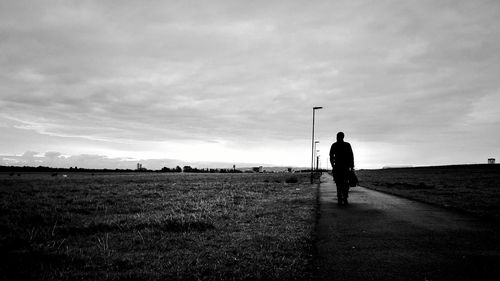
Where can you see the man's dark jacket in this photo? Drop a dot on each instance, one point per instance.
(341, 155)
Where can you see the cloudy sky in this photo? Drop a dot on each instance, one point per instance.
(97, 82)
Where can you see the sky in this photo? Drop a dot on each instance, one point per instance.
(112, 83)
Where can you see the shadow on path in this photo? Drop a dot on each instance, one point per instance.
(384, 237)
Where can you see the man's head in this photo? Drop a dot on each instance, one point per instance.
(340, 136)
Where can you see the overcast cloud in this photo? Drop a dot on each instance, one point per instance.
(409, 82)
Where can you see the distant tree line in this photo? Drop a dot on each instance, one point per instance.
(189, 169)
(29, 169)
(178, 169)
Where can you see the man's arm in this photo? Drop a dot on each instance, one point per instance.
(332, 155)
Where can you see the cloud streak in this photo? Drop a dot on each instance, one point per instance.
(95, 161)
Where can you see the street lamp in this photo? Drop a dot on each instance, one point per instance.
(315, 149)
(317, 163)
(312, 144)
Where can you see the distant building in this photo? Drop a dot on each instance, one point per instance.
(259, 169)
(139, 166)
(491, 160)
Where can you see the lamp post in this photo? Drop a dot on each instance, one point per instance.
(316, 150)
(316, 156)
(317, 164)
(312, 144)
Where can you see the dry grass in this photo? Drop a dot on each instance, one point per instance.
(471, 188)
(156, 227)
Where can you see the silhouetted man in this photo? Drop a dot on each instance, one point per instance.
(342, 160)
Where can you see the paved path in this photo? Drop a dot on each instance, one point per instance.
(384, 237)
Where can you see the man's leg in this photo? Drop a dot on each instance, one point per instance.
(339, 192)
(345, 192)
(338, 182)
(345, 186)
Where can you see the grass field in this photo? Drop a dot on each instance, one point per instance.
(471, 188)
(156, 227)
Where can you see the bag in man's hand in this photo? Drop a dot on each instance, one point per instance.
(353, 179)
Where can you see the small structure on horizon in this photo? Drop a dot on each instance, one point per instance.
(491, 160)
(259, 169)
(139, 167)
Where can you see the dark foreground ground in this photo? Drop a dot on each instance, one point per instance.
(251, 226)
(384, 237)
(156, 227)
